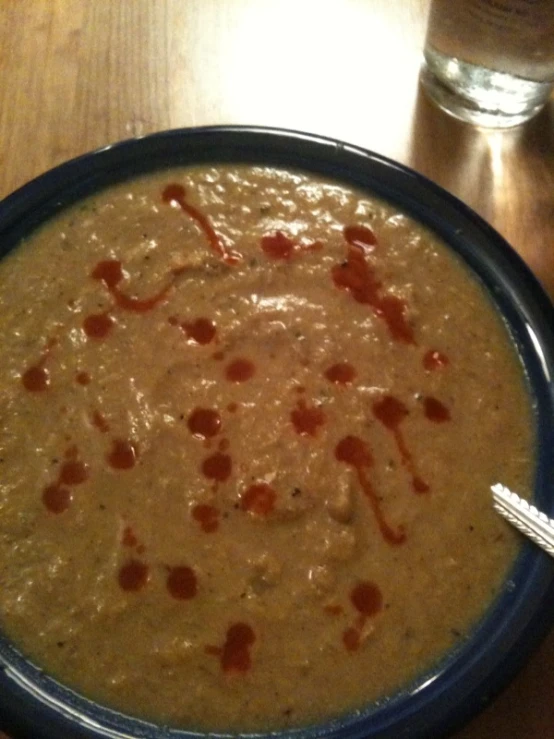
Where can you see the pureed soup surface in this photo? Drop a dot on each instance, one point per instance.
(249, 422)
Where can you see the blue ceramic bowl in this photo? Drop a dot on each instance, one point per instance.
(33, 705)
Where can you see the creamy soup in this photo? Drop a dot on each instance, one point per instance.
(249, 421)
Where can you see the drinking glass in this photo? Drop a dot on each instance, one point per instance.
(490, 62)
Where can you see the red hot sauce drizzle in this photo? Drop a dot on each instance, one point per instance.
(207, 516)
(434, 360)
(240, 370)
(259, 499)
(307, 419)
(367, 599)
(201, 330)
(98, 325)
(351, 638)
(57, 497)
(360, 236)
(83, 378)
(123, 455)
(110, 272)
(175, 193)
(342, 373)
(391, 412)
(435, 410)
(73, 472)
(131, 540)
(355, 452)
(217, 467)
(281, 246)
(100, 422)
(235, 653)
(358, 276)
(36, 379)
(181, 582)
(133, 575)
(204, 422)
(278, 245)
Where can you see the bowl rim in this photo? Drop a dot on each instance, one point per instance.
(31, 704)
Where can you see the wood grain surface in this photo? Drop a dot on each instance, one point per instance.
(77, 74)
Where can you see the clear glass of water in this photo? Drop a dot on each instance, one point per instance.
(490, 62)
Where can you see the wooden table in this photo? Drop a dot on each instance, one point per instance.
(78, 74)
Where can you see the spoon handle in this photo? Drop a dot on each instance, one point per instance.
(528, 519)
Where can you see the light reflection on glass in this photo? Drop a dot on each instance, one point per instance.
(540, 353)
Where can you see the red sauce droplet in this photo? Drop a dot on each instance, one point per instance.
(259, 499)
(133, 575)
(202, 330)
(176, 193)
(235, 655)
(341, 373)
(83, 378)
(207, 516)
(360, 236)
(204, 422)
(435, 410)
(129, 539)
(56, 499)
(419, 485)
(217, 467)
(278, 245)
(391, 412)
(110, 273)
(281, 246)
(351, 639)
(307, 419)
(434, 360)
(98, 325)
(181, 583)
(357, 276)
(100, 422)
(36, 379)
(73, 472)
(366, 598)
(355, 452)
(123, 455)
(240, 370)
(71, 452)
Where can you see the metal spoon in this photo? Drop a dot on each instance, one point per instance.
(525, 517)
